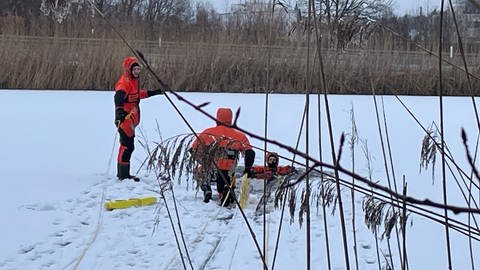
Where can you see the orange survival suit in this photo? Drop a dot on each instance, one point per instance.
(272, 169)
(127, 114)
(231, 142)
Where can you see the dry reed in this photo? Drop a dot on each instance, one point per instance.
(83, 63)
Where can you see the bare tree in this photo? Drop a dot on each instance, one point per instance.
(20, 8)
(159, 12)
(207, 22)
(348, 20)
(127, 7)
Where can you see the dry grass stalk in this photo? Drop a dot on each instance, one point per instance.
(378, 212)
(324, 193)
(304, 204)
(292, 204)
(429, 149)
(373, 211)
(175, 158)
(326, 187)
(172, 157)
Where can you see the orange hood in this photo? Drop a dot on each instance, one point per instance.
(224, 115)
(127, 64)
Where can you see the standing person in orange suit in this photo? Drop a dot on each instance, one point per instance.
(127, 113)
(272, 169)
(230, 143)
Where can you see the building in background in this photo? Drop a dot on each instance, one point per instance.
(249, 6)
(468, 17)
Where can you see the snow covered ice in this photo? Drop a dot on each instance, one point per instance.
(56, 175)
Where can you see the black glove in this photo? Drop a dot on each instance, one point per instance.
(155, 92)
(248, 171)
(120, 115)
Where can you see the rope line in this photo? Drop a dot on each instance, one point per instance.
(95, 234)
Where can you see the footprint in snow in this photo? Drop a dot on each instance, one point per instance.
(86, 223)
(133, 251)
(140, 235)
(57, 222)
(26, 249)
(92, 204)
(58, 234)
(48, 251)
(366, 246)
(38, 207)
(63, 243)
(48, 264)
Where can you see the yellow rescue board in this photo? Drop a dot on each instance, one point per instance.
(244, 191)
(137, 202)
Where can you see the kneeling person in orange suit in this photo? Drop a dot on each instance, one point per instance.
(230, 143)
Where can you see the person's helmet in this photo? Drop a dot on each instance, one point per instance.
(272, 159)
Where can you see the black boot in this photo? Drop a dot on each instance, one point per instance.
(123, 172)
(207, 196)
(207, 192)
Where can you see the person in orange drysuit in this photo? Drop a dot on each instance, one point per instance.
(272, 169)
(231, 142)
(127, 113)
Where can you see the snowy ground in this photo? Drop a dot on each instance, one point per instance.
(56, 174)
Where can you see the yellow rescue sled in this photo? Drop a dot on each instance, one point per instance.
(137, 202)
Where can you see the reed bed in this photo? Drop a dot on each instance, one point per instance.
(83, 63)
